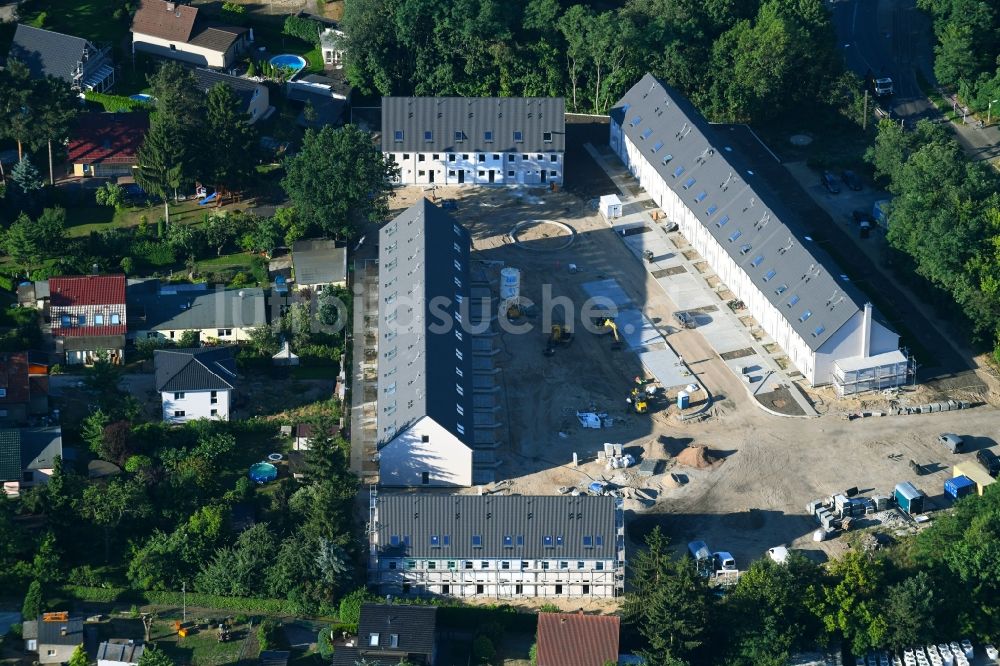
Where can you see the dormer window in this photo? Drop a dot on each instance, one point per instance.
(722, 221)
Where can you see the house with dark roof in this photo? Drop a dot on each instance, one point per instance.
(425, 372)
(575, 639)
(27, 457)
(178, 31)
(87, 317)
(158, 310)
(195, 383)
(826, 327)
(327, 94)
(119, 652)
(75, 60)
(253, 95)
(53, 636)
(475, 140)
(318, 263)
(24, 386)
(497, 546)
(106, 144)
(390, 633)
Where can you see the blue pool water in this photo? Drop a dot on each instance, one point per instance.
(289, 61)
(142, 97)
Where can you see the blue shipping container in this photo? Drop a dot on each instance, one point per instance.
(960, 486)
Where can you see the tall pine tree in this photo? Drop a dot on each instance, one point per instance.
(230, 163)
(161, 157)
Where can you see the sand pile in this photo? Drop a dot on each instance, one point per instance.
(697, 457)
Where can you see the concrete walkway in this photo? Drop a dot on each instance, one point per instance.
(686, 279)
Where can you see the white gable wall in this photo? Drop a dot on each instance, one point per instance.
(195, 405)
(443, 457)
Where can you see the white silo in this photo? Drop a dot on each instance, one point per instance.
(510, 284)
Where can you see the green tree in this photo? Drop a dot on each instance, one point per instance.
(236, 571)
(483, 650)
(57, 106)
(154, 656)
(92, 430)
(264, 341)
(910, 607)
(109, 505)
(32, 606)
(261, 235)
(16, 118)
(110, 195)
(339, 178)
(161, 160)
(46, 563)
(79, 657)
(230, 162)
(31, 242)
(349, 611)
(851, 603)
(669, 603)
(324, 643)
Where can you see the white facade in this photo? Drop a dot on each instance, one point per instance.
(197, 55)
(184, 406)
(484, 168)
(815, 366)
(38, 477)
(495, 578)
(425, 454)
(209, 335)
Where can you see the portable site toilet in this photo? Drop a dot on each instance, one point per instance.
(610, 206)
(909, 498)
(683, 400)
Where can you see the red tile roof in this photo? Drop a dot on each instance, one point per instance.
(88, 331)
(87, 290)
(167, 20)
(566, 639)
(107, 138)
(14, 378)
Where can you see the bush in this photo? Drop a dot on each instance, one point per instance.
(482, 649)
(117, 103)
(269, 635)
(56, 369)
(258, 266)
(350, 606)
(154, 254)
(106, 595)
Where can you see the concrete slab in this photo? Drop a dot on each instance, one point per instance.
(662, 363)
(688, 292)
(608, 289)
(720, 332)
(636, 329)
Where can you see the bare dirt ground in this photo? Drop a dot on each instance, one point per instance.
(752, 499)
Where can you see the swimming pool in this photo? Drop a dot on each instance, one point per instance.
(143, 97)
(289, 61)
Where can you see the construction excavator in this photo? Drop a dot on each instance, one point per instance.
(608, 325)
(637, 399)
(559, 336)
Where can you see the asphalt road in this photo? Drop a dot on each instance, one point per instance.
(888, 38)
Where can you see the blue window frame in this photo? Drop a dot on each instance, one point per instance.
(667, 158)
(518, 136)
(435, 540)
(397, 135)
(819, 330)
(793, 300)
(646, 133)
(689, 183)
(701, 196)
(588, 542)
(782, 288)
(547, 541)
(559, 541)
(406, 539)
(508, 541)
(722, 221)
(735, 235)
(520, 539)
(459, 136)
(636, 121)
(806, 315)
(757, 261)
(678, 171)
(770, 274)
(488, 136)
(477, 541)
(428, 135)
(447, 539)
(711, 210)
(394, 540)
(598, 540)
(657, 146)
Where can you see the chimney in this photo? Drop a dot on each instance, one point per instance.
(866, 331)
(171, 6)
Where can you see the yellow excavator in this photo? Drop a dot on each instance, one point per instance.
(637, 399)
(608, 325)
(560, 335)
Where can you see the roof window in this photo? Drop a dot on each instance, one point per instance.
(701, 196)
(746, 247)
(397, 135)
(667, 158)
(428, 135)
(757, 261)
(678, 171)
(818, 330)
(657, 146)
(646, 133)
(477, 541)
(518, 136)
(806, 315)
(636, 121)
(459, 136)
(770, 274)
(733, 236)
(782, 288)
(793, 300)
(688, 183)
(722, 221)
(488, 136)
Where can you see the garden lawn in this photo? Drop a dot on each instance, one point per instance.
(91, 19)
(199, 648)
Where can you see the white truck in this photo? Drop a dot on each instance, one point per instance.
(884, 87)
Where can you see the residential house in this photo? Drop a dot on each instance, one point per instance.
(177, 31)
(119, 652)
(195, 383)
(390, 633)
(106, 144)
(87, 317)
(53, 636)
(318, 263)
(24, 386)
(27, 457)
(327, 94)
(497, 546)
(253, 96)
(575, 639)
(158, 310)
(304, 434)
(75, 60)
(475, 140)
(331, 44)
(425, 376)
(747, 235)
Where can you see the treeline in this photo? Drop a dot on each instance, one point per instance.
(938, 586)
(944, 217)
(737, 61)
(172, 515)
(968, 45)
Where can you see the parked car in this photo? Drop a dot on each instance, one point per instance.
(852, 180)
(990, 461)
(724, 561)
(830, 183)
(699, 550)
(951, 441)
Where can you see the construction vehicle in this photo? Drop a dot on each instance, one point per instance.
(560, 335)
(607, 325)
(638, 401)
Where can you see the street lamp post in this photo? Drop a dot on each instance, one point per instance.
(989, 108)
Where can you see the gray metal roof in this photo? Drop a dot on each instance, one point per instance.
(244, 89)
(549, 527)
(48, 53)
(154, 306)
(414, 626)
(469, 118)
(205, 369)
(422, 364)
(741, 212)
(121, 650)
(40, 446)
(319, 262)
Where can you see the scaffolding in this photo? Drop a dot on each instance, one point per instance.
(855, 375)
